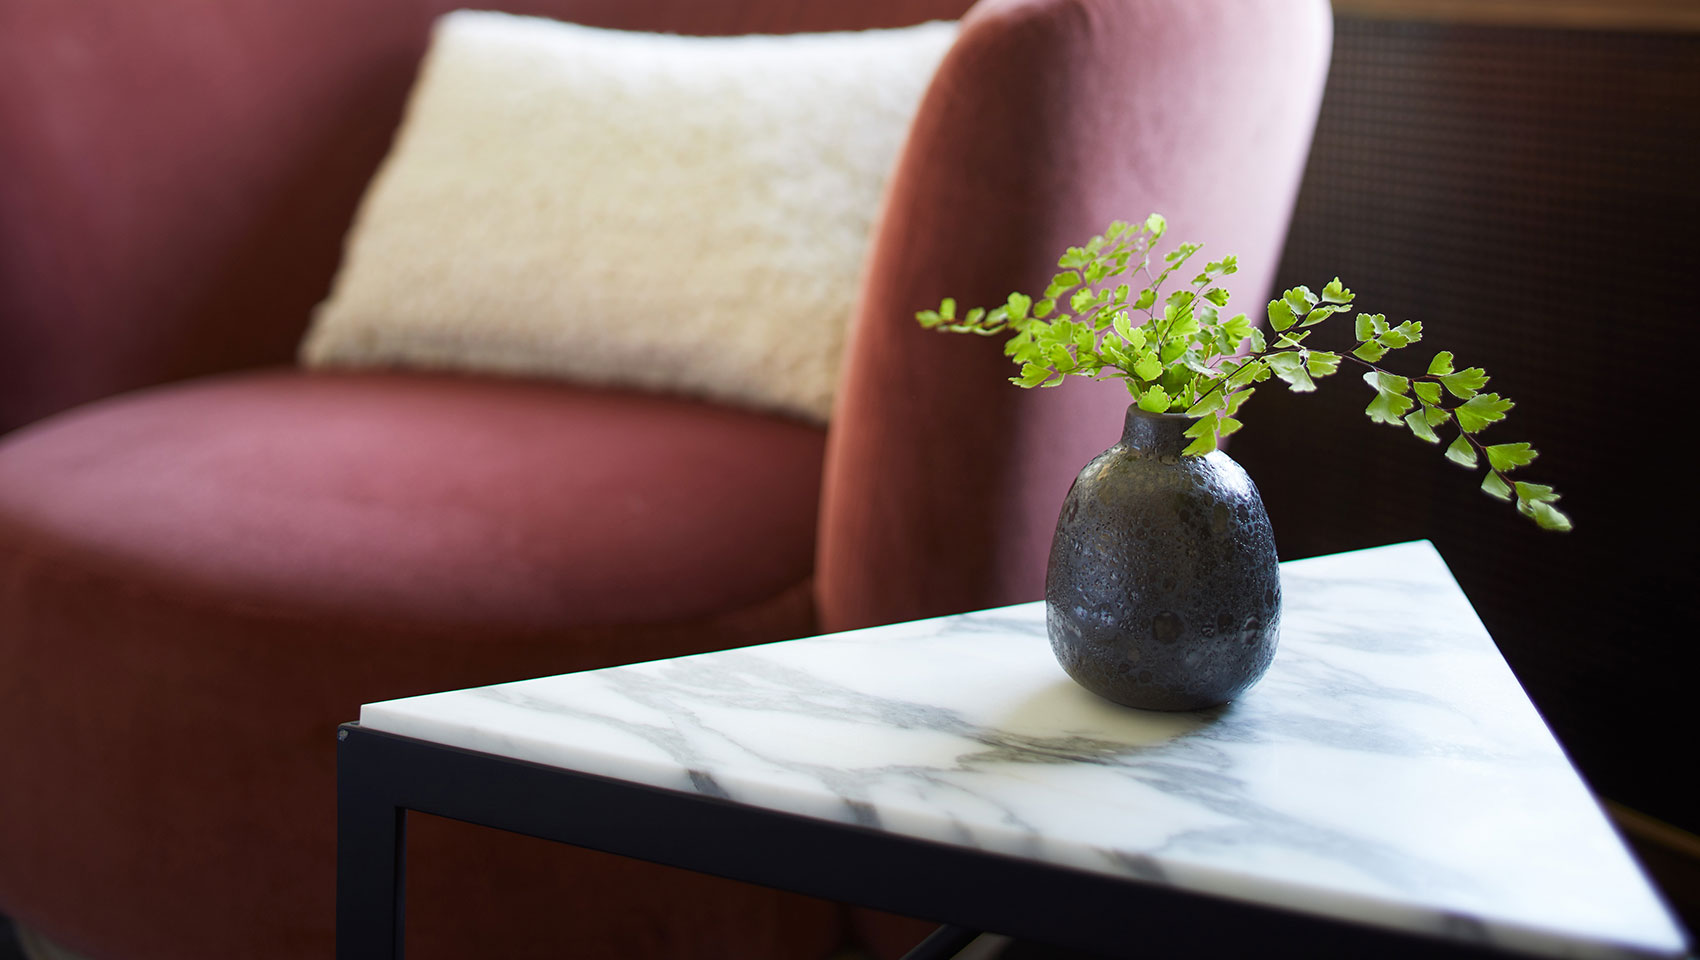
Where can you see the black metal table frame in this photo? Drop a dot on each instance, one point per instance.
(381, 777)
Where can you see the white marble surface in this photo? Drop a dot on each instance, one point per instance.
(1388, 769)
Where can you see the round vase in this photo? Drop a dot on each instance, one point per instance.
(1163, 591)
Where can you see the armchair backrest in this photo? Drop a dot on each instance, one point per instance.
(176, 177)
(1048, 119)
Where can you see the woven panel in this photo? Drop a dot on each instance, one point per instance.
(1530, 195)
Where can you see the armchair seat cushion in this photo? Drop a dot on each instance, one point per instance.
(198, 581)
(436, 499)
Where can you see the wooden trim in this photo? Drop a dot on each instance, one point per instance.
(1640, 15)
(1645, 828)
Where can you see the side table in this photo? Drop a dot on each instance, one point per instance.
(1386, 790)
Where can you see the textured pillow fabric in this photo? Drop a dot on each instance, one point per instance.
(687, 214)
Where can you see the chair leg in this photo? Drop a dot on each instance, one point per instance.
(943, 943)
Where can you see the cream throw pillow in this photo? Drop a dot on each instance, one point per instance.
(686, 214)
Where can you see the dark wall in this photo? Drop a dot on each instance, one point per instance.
(1531, 196)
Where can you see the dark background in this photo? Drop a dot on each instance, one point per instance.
(1530, 195)
(9, 949)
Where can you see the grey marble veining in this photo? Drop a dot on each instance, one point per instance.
(1388, 768)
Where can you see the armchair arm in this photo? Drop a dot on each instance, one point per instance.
(1047, 120)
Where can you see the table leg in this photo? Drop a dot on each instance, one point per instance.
(371, 852)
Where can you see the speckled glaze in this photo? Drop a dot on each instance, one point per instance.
(1163, 590)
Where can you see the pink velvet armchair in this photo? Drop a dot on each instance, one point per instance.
(209, 557)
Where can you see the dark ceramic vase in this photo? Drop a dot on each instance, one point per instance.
(1163, 590)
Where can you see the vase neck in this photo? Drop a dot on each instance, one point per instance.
(1155, 434)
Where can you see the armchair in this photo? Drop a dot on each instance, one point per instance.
(209, 557)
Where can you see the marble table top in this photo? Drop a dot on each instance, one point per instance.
(1389, 768)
